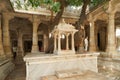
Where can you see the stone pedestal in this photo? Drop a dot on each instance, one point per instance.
(39, 65)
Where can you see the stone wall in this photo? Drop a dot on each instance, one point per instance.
(110, 63)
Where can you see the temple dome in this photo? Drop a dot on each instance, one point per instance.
(62, 26)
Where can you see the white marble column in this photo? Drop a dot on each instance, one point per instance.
(59, 42)
(92, 45)
(67, 44)
(55, 44)
(6, 35)
(35, 47)
(111, 39)
(2, 54)
(72, 41)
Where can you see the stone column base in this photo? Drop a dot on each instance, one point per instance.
(81, 49)
(35, 49)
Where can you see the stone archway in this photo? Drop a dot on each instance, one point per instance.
(101, 34)
(20, 27)
(43, 38)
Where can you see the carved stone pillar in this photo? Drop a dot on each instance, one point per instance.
(45, 42)
(59, 42)
(111, 40)
(6, 35)
(55, 44)
(2, 54)
(20, 43)
(72, 42)
(67, 44)
(35, 47)
(92, 45)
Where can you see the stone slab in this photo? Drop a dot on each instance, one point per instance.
(68, 73)
(87, 75)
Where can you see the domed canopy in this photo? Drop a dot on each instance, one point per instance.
(64, 27)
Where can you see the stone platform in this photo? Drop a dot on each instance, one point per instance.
(39, 65)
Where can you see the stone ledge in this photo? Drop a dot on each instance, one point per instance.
(4, 62)
(50, 57)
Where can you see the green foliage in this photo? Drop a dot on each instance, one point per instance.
(18, 4)
(55, 7)
(52, 5)
(34, 3)
(97, 2)
(48, 1)
(74, 2)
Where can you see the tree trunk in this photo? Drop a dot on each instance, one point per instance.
(55, 22)
(80, 26)
(58, 16)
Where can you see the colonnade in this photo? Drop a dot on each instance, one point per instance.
(111, 36)
(5, 41)
(5, 45)
(57, 41)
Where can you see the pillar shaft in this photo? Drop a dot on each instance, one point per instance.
(111, 41)
(1, 42)
(20, 44)
(59, 42)
(67, 44)
(55, 44)
(111, 45)
(92, 42)
(35, 47)
(72, 41)
(6, 35)
(45, 42)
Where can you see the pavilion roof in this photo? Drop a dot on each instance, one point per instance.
(64, 27)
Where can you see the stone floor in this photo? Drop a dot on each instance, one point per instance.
(19, 71)
(113, 74)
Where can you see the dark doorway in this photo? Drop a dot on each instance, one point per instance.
(98, 38)
(27, 46)
(40, 45)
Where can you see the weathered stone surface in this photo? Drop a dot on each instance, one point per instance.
(6, 67)
(68, 73)
(38, 65)
(87, 75)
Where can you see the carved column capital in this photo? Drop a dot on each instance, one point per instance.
(8, 16)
